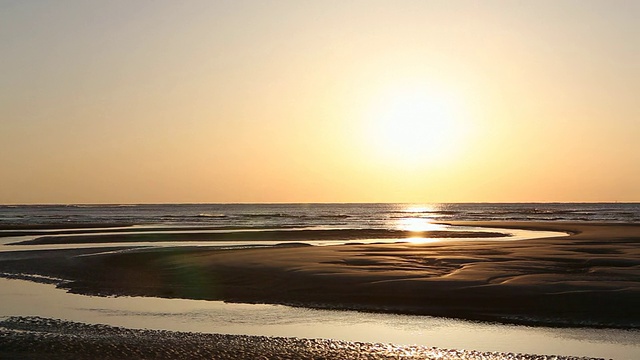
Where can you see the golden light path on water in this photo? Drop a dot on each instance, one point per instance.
(420, 219)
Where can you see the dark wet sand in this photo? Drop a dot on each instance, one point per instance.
(39, 338)
(589, 278)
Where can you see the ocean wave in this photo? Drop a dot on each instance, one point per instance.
(278, 216)
(205, 215)
(319, 215)
(428, 211)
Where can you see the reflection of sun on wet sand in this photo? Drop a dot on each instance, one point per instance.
(587, 278)
(39, 338)
(256, 236)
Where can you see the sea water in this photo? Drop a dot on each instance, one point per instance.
(356, 216)
(207, 316)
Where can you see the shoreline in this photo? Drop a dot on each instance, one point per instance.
(38, 338)
(261, 235)
(588, 278)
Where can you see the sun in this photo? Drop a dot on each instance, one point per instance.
(415, 125)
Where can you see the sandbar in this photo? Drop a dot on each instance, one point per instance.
(591, 277)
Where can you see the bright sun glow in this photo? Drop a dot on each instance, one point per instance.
(420, 209)
(414, 125)
(417, 225)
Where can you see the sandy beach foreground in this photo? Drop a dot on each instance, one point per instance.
(39, 338)
(591, 277)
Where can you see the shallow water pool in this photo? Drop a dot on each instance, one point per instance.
(25, 298)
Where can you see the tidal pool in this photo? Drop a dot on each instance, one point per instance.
(26, 298)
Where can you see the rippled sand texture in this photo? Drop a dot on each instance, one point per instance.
(588, 278)
(39, 338)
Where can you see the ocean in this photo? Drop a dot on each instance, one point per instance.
(308, 216)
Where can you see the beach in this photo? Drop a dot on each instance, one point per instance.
(589, 277)
(319, 180)
(38, 338)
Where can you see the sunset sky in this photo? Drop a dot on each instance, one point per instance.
(319, 101)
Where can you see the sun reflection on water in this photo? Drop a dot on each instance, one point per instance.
(418, 220)
(417, 224)
(417, 209)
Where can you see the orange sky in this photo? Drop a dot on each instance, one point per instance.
(326, 101)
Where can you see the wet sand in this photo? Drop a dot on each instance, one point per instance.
(588, 278)
(263, 235)
(40, 338)
(591, 277)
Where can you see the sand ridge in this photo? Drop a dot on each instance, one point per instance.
(591, 277)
